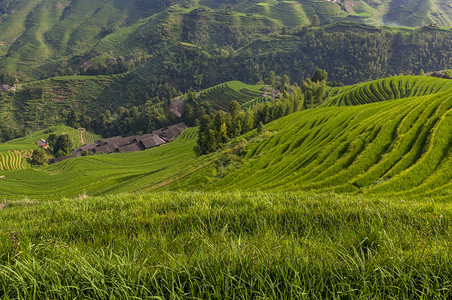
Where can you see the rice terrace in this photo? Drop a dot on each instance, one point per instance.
(225, 149)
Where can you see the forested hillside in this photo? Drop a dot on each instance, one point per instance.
(92, 56)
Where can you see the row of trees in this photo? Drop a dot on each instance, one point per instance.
(217, 129)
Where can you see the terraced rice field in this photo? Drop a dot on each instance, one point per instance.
(13, 153)
(221, 95)
(112, 173)
(13, 160)
(400, 147)
(387, 89)
(392, 148)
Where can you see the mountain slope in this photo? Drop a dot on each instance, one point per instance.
(387, 89)
(51, 34)
(393, 147)
(397, 147)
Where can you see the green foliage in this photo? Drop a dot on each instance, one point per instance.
(63, 145)
(39, 157)
(315, 21)
(225, 246)
(237, 121)
(8, 78)
(387, 89)
(394, 147)
(260, 127)
(319, 75)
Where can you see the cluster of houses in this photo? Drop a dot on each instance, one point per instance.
(440, 75)
(6, 88)
(119, 144)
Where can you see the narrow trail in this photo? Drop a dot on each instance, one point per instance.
(82, 136)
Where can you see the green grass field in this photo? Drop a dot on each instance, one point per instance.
(198, 245)
(350, 201)
(399, 147)
(109, 173)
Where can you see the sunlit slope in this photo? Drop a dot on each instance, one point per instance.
(399, 147)
(14, 153)
(108, 173)
(387, 89)
(30, 142)
(391, 148)
(221, 95)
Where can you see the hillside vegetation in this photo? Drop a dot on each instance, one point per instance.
(14, 153)
(93, 56)
(219, 97)
(332, 202)
(398, 147)
(39, 39)
(225, 246)
(387, 89)
(109, 173)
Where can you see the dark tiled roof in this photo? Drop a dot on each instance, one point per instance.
(152, 141)
(172, 131)
(133, 143)
(129, 148)
(102, 149)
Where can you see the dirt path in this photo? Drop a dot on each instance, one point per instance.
(176, 106)
(82, 136)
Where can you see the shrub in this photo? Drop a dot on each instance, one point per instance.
(39, 157)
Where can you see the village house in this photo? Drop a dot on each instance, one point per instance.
(439, 75)
(6, 88)
(43, 143)
(119, 144)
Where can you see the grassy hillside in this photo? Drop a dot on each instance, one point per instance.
(387, 89)
(110, 173)
(103, 55)
(221, 95)
(399, 147)
(14, 153)
(333, 202)
(224, 246)
(38, 38)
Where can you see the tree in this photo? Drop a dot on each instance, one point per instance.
(188, 115)
(271, 78)
(63, 145)
(73, 119)
(422, 73)
(222, 134)
(315, 21)
(234, 109)
(202, 146)
(220, 127)
(248, 122)
(319, 75)
(260, 128)
(285, 83)
(51, 140)
(39, 157)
